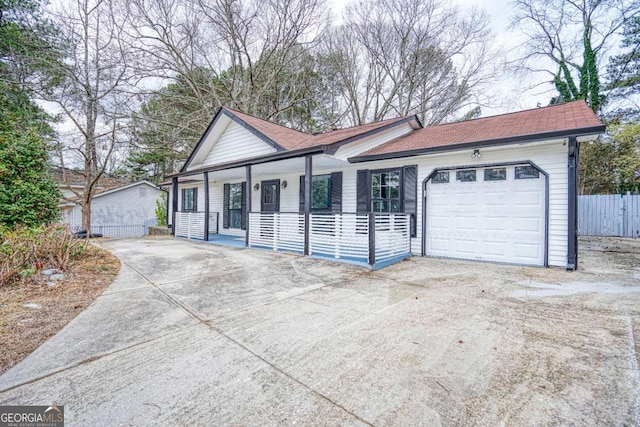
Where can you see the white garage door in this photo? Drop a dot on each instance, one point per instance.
(489, 214)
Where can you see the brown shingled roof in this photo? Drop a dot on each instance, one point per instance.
(290, 139)
(283, 136)
(556, 118)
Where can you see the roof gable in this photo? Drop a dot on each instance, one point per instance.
(220, 143)
(233, 135)
(126, 187)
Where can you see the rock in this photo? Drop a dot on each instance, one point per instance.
(32, 306)
(50, 272)
(51, 284)
(56, 277)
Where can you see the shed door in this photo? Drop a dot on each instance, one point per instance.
(489, 214)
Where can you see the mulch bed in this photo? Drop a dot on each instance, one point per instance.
(23, 329)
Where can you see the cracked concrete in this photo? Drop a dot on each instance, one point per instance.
(191, 333)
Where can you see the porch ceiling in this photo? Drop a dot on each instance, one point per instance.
(295, 165)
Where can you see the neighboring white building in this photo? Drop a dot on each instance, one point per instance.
(123, 211)
(499, 189)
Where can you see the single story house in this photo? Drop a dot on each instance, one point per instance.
(118, 209)
(499, 189)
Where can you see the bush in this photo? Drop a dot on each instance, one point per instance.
(161, 210)
(24, 251)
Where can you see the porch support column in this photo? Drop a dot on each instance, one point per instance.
(372, 239)
(174, 204)
(572, 223)
(206, 206)
(247, 203)
(308, 173)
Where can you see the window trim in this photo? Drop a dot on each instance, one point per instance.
(475, 175)
(195, 199)
(434, 181)
(400, 198)
(515, 172)
(490, 179)
(328, 207)
(229, 209)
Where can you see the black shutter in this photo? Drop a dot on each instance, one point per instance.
(182, 193)
(225, 206)
(410, 194)
(195, 200)
(336, 192)
(363, 192)
(243, 221)
(301, 194)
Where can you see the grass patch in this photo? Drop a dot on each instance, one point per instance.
(23, 329)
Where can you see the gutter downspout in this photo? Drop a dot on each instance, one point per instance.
(572, 222)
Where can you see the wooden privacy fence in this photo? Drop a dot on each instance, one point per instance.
(609, 215)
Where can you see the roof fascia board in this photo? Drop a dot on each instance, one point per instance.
(479, 144)
(281, 155)
(202, 139)
(124, 187)
(253, 130)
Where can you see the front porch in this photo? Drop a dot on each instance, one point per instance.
(370, 240)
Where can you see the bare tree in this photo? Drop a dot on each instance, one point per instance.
(566, 40)
(411, 57)
(94, 95)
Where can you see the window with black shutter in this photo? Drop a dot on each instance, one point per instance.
(189, 199)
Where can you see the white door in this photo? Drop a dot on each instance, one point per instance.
(489, 214)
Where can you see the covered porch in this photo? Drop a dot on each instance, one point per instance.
(277, 205)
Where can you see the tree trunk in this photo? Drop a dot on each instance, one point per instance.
(86, 214)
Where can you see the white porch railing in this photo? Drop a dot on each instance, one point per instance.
(277, 231)
(392, 236)
(191, 224)
(362, 238)
(340, 236)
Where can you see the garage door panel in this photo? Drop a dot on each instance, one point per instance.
(527, 198)
(495, 199)
(496, 224)
(465, 247)
(526, 252)
(501, 220)
(495, 248)
(528, 225)
(440, 200)
(439, 245)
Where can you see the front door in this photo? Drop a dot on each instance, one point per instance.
(270, 201)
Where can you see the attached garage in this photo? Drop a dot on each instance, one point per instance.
(488, 213)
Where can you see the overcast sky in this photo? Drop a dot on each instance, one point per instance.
(515, 92)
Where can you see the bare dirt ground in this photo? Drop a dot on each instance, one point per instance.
(23, 329)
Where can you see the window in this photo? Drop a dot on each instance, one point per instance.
(495, 174)
(440, 178)
(235, 205)
(189, 199)
(527, 172)
(321, 192)
(385, 191)
(466, 175)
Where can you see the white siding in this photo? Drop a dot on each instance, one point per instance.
(551, 157)
(355, 148)
(131, 206)
(235, 143)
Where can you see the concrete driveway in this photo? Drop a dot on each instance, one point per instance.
(196, 334)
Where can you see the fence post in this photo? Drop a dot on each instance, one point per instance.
(372, 239)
